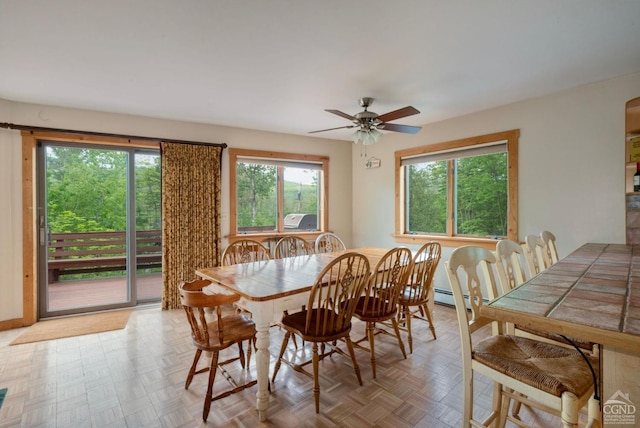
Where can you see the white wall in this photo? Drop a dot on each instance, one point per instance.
(10, 225)
(339, 153)
(571, 166)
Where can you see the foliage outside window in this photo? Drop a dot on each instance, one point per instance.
(276, 193)
(78, 177)
(459, 191)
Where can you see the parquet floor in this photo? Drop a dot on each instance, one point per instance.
(135, 377)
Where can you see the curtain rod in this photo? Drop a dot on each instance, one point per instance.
(105, 134)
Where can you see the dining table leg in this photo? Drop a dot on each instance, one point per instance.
(262, 319)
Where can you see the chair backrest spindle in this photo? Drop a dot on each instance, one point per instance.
(291, 246)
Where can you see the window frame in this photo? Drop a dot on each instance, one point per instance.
(323, 219)
(450, 239)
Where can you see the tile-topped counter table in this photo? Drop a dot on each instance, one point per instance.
(592, 294)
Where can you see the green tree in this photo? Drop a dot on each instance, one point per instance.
(148, 189)
(428, 197)
(481, 205)
(90, 184)
(481, 196)
(256, 195)
(87, 190)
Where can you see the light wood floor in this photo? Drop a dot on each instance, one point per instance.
(135, 377)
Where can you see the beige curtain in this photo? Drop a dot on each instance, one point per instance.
(190, 214)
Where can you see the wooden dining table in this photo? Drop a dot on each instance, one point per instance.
(266, 289)
(593, 294)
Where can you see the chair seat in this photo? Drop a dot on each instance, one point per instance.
(372, 312)
(412, 295)
(237, 328)
(551, 368)
(298, 321)
(583, 344)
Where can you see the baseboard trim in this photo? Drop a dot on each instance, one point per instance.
(11, 324)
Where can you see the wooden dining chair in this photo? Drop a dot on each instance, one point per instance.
(328, 242)
(327, 316)
(245, 251)
(549, 249)
(414, 299)
(214, 336)
(548, 377)
(379, 302)
(509, 264)
(291, 246)
(534, 254)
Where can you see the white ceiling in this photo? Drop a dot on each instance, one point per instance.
(277, 64)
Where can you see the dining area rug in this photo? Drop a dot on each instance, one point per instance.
(74, 326)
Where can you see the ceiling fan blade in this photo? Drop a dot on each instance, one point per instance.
(407, 129)
(341, 114)
(331, 129)
(397, 114)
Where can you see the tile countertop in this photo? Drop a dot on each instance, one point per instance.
(592, 294)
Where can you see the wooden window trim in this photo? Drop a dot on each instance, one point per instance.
(323, 220)
(449, 239)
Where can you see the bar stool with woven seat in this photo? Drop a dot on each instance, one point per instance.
(379, 302)
(327, 316)
(548, 377)
(509, 264)
(414, 298)
(509, 255)
(215, 336)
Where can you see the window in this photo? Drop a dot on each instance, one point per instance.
(275, 193)
(458, 191)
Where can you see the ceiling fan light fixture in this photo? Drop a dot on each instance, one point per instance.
(368, 124)
(366, 136)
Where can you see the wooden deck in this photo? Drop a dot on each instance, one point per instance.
(104, 291)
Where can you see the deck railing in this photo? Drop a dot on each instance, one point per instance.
(93, 252)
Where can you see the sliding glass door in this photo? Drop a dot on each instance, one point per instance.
(99, 228)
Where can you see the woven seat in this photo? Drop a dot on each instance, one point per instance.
(548, 377)
(543, 366)
(509, 256)
(590, 347)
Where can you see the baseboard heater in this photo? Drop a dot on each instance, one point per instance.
(445, 297)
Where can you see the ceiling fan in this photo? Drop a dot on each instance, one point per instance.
(369, 123)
